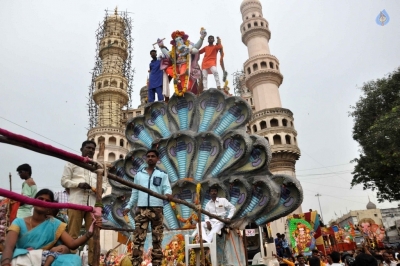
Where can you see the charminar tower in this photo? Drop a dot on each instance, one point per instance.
(111, 91)
(260, 87)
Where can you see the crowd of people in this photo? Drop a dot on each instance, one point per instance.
(360, 257)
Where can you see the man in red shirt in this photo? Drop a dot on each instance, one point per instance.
(209, 65)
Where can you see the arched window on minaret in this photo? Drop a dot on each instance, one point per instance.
(263, 65)
(254, 128)
(251, 101)
(262, 24)
(255, 24)
(277, 67)
(112, 141)
(248, 70)
(255, 67)
(109, 42)
(274, 122)
(121, 85)
(254, 15)
(116, 43)
(113, 83)
(121, 156)
(99, 85)
(249, 25)
(111, 157)
(263, 125)
(277, 140)
(291, 123)
(105, 83)
(287, 138)
(294, 140)
(284, 122)
(271, 65)
(244, 28)
(247, 17)
(121, 142)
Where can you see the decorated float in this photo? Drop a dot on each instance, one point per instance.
(202, 142)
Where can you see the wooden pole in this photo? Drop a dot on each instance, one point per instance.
(155, 194)
(96, 233)
(245, 246)
(110, 176)
(9, 177)
(203, 258)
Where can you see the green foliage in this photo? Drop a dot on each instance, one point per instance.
(377, 130)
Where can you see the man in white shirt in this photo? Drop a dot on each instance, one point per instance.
(81, 184)
(217, 206)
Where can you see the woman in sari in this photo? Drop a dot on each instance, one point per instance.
(31, 240)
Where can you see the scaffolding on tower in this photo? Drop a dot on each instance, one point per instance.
(238, 80)
(111, 66)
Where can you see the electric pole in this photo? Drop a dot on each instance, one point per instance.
(319, 195)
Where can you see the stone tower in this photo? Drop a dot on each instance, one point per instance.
(261, 90)
(110, 90)
(261, 81)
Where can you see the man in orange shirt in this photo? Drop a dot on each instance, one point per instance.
(209, 65)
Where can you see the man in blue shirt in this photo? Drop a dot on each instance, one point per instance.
(155, 79)
(150, 209)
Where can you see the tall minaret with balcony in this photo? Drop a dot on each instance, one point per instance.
(262, 79)
(110, 89)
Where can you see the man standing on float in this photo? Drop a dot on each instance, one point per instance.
(209, 65)
(155, 79)
(149, 209)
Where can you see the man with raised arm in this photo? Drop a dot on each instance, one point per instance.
(209, 65)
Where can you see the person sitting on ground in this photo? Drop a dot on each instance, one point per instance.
(217, 206)
(28, 238)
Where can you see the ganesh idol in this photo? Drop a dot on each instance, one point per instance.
(182, 61)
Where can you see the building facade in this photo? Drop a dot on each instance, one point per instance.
(391, 222)
(260, 88)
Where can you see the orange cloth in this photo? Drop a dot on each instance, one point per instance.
(210, 57)
(180, 70)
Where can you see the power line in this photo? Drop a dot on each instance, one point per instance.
(322, 167)
(331, 186)
(330, 173)
(38, 134)
(337, 197)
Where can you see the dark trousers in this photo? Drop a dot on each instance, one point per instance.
(152, 94)
(143, 216)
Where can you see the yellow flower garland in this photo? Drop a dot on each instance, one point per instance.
(193, 216)
(184, 86)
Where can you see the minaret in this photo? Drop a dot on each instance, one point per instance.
(262, 80)
(110, 89)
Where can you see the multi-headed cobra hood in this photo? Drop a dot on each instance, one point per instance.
(202, 139)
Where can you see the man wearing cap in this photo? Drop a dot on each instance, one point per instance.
(29, 189)
(219, 207)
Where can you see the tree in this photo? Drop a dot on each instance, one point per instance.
(377, 130)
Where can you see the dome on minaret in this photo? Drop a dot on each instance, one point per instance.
(371, 205)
